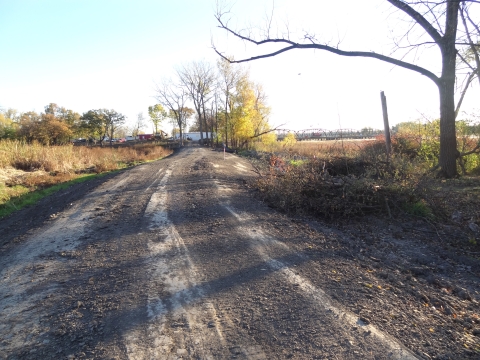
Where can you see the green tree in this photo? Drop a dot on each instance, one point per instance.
(289, 140)
(45, 128)
(53, 109)
(229, 76)
(28, 123)
(247, 116)
(157, 115)
(112, 122)
(8, 124)
(92, 125)
(51, 130)
(70, 118)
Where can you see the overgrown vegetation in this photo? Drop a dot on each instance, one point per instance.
(30, 172)
(344, 179)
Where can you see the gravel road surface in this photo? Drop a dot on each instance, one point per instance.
(177, 259)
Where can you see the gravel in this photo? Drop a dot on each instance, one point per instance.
(179, 259)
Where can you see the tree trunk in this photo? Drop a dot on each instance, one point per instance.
(111, 136)
(205, 119)
(211, 135)
(386, 126)
(448, 138)
(226, 120)
(180, 122)
(206, 127)
(200, 124)
(446, 87)
(216, 127)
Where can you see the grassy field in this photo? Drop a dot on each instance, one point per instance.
(316, 148)
(30, 172)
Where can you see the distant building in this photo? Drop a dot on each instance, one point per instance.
(195, 136)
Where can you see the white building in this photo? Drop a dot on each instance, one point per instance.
(195, 136)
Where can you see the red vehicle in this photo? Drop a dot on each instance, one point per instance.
(145, 136)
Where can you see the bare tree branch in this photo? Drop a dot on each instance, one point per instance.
(473, 23)
(293, 45)
(173, 97)
(471, 43)
(419, 19)
(464, 91)
(474, 150)
(266, 132)
(432, 14)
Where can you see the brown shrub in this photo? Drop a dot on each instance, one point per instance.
(333, 186)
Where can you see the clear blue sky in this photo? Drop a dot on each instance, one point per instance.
(85, 54)
(96, 54)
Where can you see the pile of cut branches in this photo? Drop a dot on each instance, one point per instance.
(336, 187)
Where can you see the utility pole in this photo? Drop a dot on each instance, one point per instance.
(388, 142)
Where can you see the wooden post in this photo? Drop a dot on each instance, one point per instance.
(388, 142)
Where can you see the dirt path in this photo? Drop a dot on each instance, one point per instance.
(176, 259)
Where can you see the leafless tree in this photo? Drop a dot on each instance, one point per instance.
(439, 22)
(469, 57)
(139, 124)
(174, 97)
(198, 78)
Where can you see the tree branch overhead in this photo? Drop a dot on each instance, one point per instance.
(439, 21)
(315, 45)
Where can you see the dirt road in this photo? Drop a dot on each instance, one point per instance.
(177, 260)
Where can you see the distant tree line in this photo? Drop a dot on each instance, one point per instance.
(58, 125)
(228, 107)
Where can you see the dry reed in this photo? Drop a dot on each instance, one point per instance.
(70, 159)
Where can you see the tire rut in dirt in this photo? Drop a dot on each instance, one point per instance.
(258, 306)
(179, 322)
(85, 275)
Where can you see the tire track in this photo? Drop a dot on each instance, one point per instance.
(36, 274)
(180, 322)
(265, 245)
(28, 272)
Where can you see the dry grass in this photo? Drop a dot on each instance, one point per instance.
(69, 159)
(311, 149)
(25, 168)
